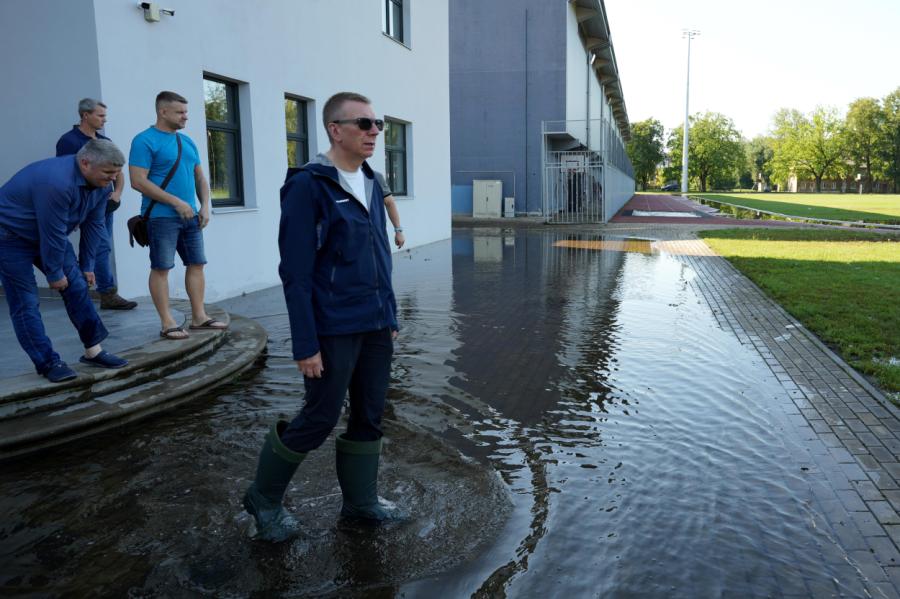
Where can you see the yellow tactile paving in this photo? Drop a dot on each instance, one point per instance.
(680, 247)
(684, 247)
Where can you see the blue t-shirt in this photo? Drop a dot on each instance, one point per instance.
(156, 151)
(72, 141)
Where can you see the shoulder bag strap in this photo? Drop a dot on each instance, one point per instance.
(168, 178)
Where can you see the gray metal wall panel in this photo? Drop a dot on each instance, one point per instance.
(49, 51)
(501, 90)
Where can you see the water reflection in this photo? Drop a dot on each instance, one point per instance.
(651, 454)
(648, 453)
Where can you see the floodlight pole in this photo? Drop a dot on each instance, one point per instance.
(689, 34)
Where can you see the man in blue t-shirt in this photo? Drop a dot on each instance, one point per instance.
(92, 114)
(39, 207)
(176, 221)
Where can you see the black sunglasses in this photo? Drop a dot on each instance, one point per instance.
(363, 122)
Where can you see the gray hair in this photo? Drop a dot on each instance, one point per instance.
(101, 152)
(88, 105)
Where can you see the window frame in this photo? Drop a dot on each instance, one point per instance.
(390, 154)
(234, 128)
(398, 9)
(302, 137)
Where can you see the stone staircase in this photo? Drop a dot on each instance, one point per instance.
(36, 414)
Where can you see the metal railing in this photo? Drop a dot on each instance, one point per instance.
(573, 187)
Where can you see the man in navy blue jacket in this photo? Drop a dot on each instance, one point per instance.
(92, 115)
(336, 271)
(39, 207)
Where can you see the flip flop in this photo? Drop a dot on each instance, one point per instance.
(211, 324)
(170, 333)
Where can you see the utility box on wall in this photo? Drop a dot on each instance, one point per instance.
(487, 196)
(509, 207)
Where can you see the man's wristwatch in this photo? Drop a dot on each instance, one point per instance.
(398, 230)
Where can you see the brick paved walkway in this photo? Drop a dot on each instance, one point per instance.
(646, 203)
(850, 430)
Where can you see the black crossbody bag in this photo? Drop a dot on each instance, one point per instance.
(137, 225)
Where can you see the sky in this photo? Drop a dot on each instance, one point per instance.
(752, 58)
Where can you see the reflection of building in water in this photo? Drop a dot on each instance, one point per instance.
(487, 246)
(530, 327)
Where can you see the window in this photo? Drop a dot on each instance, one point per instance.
(295, 120)
(395, 156)
(392, 19)
(223, 142)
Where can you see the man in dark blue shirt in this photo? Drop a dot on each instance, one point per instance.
(92, 114)
(39, 207)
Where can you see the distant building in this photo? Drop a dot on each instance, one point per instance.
(256, 75)
(849, 185)
(536, 102)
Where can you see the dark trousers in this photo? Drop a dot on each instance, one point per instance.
(106, 280)
(17, 256)
(360, 364)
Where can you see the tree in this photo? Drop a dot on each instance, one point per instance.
(715, 154)
(645, 149)
(891, 148)
(807, 146)
(864, 138)
(760, 153)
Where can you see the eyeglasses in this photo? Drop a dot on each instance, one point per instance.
(363, 122)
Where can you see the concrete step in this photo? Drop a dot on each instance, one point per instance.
(24, 393)
(159, 377)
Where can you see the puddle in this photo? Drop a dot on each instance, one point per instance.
(645, 450)
(650, 454)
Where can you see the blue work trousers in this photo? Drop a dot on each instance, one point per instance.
(17, 256)
(106, 280)
(358, 363)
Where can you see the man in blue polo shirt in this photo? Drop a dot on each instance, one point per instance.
(39, 207)
(92, 114)
(176, 220)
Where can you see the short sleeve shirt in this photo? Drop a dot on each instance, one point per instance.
(156, 151)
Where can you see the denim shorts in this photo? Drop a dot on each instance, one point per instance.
(169, 234)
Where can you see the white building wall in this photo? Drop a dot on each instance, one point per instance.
(576, 71)
(311, 49)
(581, 79)
(619, 189)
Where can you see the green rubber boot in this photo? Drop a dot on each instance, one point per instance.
(262, 500)
(357, 472)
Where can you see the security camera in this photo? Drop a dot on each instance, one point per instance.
(152, 11)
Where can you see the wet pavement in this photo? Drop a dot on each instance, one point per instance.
(660, 429)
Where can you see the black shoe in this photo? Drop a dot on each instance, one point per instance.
(104, 360)
(114, 301)
(60, 372)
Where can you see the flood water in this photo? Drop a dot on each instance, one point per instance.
(650, 453)
(645, 451)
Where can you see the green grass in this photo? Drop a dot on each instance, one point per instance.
(842, 285)
(870, 208)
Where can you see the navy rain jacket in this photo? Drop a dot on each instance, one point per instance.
(335, 258)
